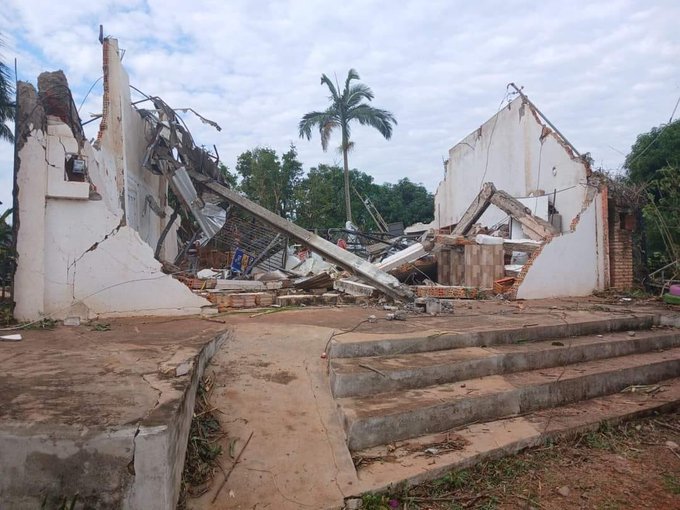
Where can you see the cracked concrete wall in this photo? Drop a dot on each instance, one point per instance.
(91, 258)
(59, 461)
(521, 156)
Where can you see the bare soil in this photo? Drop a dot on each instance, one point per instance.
(635, 465)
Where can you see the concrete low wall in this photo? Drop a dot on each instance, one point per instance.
(133, 466)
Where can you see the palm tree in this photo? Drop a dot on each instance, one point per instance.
(7, 106)
(345, 107)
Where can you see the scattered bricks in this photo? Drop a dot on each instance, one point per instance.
(264, 299)
(245, 300)
(299, 299)
(354, 288)
(242, 300)
(453, 292)
(330, 298)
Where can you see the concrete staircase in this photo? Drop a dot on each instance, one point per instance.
(396, 389)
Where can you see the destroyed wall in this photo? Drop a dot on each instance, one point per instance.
(86, 250)
(522, 156)
(123, 136)
(571, 264)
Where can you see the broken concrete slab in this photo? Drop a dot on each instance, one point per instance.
(354, 288)
(537, 228)
(299, 299)
(410, 254)
(240, 285)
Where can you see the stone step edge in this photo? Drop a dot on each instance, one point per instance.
(366, 431)
(442, 340)
(373, 382)
(453, 461)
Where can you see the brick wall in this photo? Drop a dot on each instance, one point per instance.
(621, 225)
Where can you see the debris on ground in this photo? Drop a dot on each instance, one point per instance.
(632, 465)
(203, 448)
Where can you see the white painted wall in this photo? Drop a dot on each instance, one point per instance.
(570, 264)
(508, 151)
(88, 258)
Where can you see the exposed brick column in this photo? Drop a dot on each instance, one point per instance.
(621, 225)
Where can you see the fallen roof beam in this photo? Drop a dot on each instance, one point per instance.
(348, 261)
(536, 228)
(478, 206)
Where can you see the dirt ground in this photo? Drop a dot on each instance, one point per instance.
(635, 465)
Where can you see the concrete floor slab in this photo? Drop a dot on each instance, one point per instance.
(100, 413)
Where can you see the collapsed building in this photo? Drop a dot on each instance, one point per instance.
(94, 226)
(519, 213)
(554, 229)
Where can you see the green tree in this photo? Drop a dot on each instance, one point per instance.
(268, 181)
(318, 205)
(405, 201)
(652, 151)
(662, 217)
(317, 198)
(654, 162)
(7, 105)
(346, 106)
(228, 178)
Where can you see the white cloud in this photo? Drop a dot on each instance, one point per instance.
(602, 72)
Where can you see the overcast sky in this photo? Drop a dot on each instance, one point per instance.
(602, 71)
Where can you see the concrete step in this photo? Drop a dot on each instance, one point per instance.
(356, 345)
(395, 416)
(408, 462)
(358, 377)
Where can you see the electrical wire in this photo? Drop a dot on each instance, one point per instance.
(88, 93)
(493, 129)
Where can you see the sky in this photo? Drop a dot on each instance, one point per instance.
(602, 72)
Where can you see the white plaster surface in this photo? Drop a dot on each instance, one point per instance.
(570, 264)
(508, 151)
